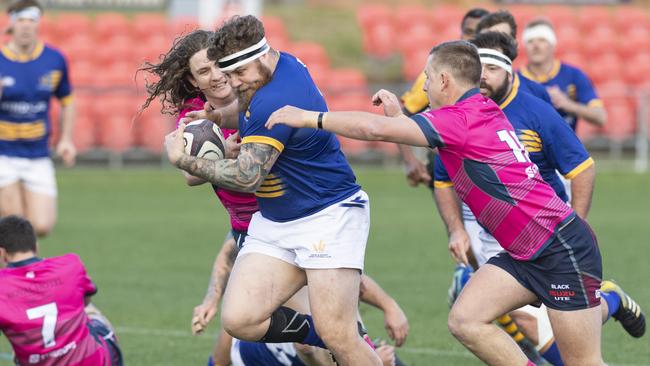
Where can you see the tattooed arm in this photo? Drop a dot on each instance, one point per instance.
(244, 174)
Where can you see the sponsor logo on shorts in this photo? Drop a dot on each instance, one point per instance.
(598, 294)
(319, 250)
(561, 292)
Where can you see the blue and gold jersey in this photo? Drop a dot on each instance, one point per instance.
(573, 82)
(265, 354)
(311, 172)
(28, 84)
(531, 87)
(550, 143)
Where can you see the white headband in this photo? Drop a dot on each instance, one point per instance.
(244, 56)
(32, 12)
(494, 57)
(542, 31)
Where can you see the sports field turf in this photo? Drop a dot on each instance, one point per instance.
(149, 242)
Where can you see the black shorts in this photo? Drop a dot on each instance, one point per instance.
(100, 330)
(239, 237)
(566, 275)
(431, 167)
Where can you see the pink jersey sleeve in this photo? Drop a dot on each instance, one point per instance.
(193, 104)
(445, 127)
(86, 285)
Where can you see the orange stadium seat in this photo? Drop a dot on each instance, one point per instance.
(107, 25)
(83, 74)
(70, 25)
(607, 41)
(594, 16)
(637, 69)
(560, 15)
(626, 17)
(569, 39)
(413, 63)
(274, 27)
(524, 14)
(573, 58)
(621, 120)
(85, 131)
(634, 39)
(80, 47)
(151, 49)
(115, 121)
(370, 14)
(310, 53)
(182, 26)
(408, 16)
(149, 24)
(586, 131)
(48, 30)
(151, 127)
(118, 74)
(605, 67)
(115, 49)
(380, 40)
(346, 81)
(447, 15)
(418, 36)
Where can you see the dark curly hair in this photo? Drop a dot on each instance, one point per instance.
(494, 40)
(173, 71)
(498, 17)
(235, 35)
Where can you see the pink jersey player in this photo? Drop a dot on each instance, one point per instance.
(240, 206)
(42, 302)
(493, 174)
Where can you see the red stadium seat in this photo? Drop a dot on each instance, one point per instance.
(48, 30)
(413, 63)
(446, 16)
(635, 39)
(151, 126)
(380, 40)
(607, 41)
(605, 67)
(370, 14)
(621, 120)
(410, 16)
(83, 74)
(573, 58)
(274, 27)
(107, 25)
(85, 131)
(148, 24)
(418, 36)
(586, 131)
(114, 50)
(117, 75)
(593, 16)
(81, 47)
(569, 39)
(71, 25)
(524, 14)
(626, 17)
(310, 53)
(151, 49)
(560, 15)
(183, 26)
(637, 69)
(115, 117)
(346, 81)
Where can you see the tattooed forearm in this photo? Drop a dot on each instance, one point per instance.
(244, 174)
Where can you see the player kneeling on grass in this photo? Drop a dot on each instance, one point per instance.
(46, 311)
(550, 254)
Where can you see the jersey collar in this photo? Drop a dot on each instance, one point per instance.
(11, 55)
(24, 262)
(512, 94)
(543, 78)
(468, 94)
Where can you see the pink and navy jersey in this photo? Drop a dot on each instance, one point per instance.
(42, 302)
(492, 173)
(240, 206)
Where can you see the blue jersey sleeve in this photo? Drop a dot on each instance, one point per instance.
(63, 91)
(585, 92)
(561, 145)
(253, 129)
(441, 178)
(534, 88)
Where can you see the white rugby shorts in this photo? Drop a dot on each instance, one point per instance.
(334, 237)
(36, 175)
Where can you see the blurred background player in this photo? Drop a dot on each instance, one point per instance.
(552, 146)
(415, 101)
(46, 312)
(31, 74)
(187, 81)
(572, 93)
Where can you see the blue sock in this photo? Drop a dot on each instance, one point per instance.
(613, 302)
(312, 337)
(210, 361)
(552, 355)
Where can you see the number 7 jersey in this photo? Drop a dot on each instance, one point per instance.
(493, 174)
(42, 313)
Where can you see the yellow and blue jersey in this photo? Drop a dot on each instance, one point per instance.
(573, 82)
(28, 84)
(550, 142)
(415, 100)
(311, 172)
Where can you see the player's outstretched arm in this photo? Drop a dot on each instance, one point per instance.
(395, 127)
(582, 189)
(395, 321)
(244, 174)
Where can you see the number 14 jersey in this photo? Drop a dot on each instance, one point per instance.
(493, 174)
(42, 313)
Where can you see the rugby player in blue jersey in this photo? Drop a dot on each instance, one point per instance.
(31, 73)
(314, 218)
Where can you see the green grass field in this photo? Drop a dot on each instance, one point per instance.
(149, 242)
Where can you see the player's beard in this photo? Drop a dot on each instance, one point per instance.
(244, 96)
(499, 93)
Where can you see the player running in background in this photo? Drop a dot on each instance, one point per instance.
(572, 93)
(307, 230)
(415, 101)
(45, 313)
(31, 73)
(551, 145)
(551, 255)
(187, 81)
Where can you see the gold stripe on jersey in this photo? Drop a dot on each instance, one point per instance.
(11, 131)
(442, 184)
(513, 93)
(543, 78)
(596, 103)
(531, 140)
(66, 100)
(580, 168)
(19, 57)
(270, 195)
(264, 140)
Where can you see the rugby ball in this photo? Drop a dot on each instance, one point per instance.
(204, 139)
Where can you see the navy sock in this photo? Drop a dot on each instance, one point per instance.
(613, 302)
(552, 355)
(210, 361)
(287, 325)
